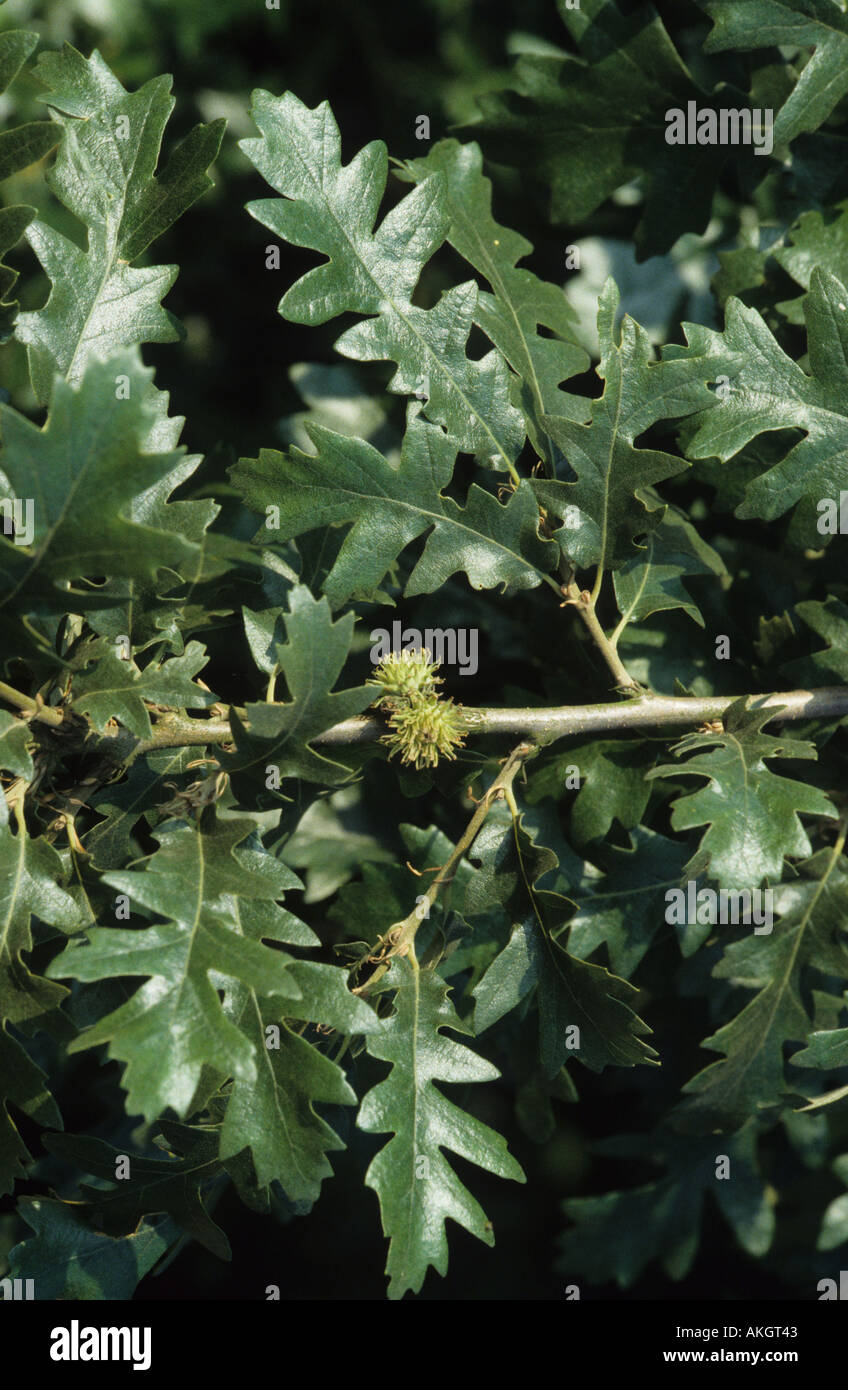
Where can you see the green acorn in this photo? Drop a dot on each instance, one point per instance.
(406, 675)
(425, 730)
(424, 726)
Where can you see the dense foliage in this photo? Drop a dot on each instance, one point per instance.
(277, 884)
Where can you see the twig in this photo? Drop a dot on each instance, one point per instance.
(584, 602)
(35, 709)
(649, 712)
(545, 723)
(402, 934)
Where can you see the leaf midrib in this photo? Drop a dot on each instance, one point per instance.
(413, 1181)
(431, 519)
(386, 294)
(788, 973)
(496, 278)
(113, 231)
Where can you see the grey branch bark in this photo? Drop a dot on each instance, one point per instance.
(655, 711)
(648, 712)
